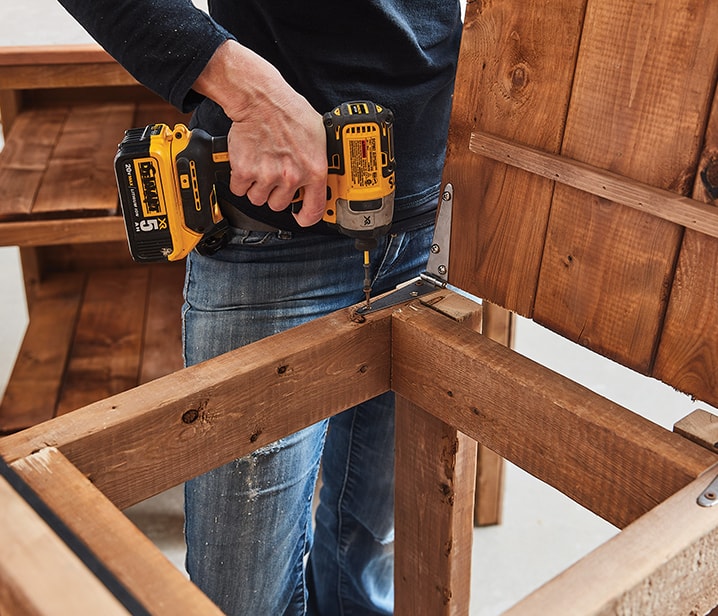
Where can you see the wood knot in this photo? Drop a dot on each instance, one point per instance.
(190, 416)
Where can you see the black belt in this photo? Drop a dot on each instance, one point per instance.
(242, 214)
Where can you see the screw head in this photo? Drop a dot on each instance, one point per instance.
(435, 249)
(442, 269)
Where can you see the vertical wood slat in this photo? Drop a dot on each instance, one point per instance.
(497, 324)
(514, 80)
(688, 356)
(80, 176)
(640, 98)
(105, 356)
(435, 474)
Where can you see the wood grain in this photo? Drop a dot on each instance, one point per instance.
(660, 203)
(610, 460)
(514, 80)
(140, 442)
(657, 565)
(162, 339)
(80, 176)
(24, 159)
(688, 352)
(55, 232)
(37, 569)
(36, 381)
(641, 95)
(435, 475)
(127, 554)
(105, 354)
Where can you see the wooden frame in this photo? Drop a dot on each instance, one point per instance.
(621, 466)
(580, 257)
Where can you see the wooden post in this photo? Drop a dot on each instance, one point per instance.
(435, 475)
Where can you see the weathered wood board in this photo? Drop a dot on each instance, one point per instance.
(631, 94)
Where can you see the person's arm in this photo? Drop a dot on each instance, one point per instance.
(277, 143)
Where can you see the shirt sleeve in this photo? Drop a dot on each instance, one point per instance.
(164, 44)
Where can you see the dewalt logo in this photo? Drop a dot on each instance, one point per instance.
(150, 190)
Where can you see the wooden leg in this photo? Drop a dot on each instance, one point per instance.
(497, 325)
(435, 467)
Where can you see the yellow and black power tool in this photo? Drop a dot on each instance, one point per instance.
(166, 180)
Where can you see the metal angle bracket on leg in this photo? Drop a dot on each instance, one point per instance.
(709, 496)
(437, 268)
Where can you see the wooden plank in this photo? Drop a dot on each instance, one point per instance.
(80, 176)
(141, 442)
(126, 553)
(162, 346)
(688, 352)
(60, 66)
(514, 80)
(610, 460)
(660, 203)
(34, 387)
(105, 355)
(642, 91)
(498, 326)
(435, 475)
(495, 323)
(24, 159)
(488, 505)
(38, 572)
(701, 427)
(69, 231)
(34, 55)
(660, 564)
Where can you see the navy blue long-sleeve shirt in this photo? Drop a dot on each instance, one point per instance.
(399, 53)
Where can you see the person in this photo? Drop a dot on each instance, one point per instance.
(263, 72)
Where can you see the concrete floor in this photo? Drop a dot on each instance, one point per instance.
(542, 531)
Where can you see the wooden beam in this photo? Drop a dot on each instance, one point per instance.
(612, 461)
(435, 477)
(661, 564)
(39, 574)
(141, 442)
(125, 551)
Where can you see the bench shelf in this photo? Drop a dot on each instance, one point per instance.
(99, 323)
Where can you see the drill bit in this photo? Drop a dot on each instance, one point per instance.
(367, 279)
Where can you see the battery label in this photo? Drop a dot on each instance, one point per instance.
(151, 196)
(364, 162)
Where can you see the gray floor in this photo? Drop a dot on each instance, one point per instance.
(542, 531)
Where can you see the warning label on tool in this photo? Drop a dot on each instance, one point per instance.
(364, 159)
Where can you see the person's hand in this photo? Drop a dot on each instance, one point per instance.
(277, 142)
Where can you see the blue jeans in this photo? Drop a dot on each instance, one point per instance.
(249, 523)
